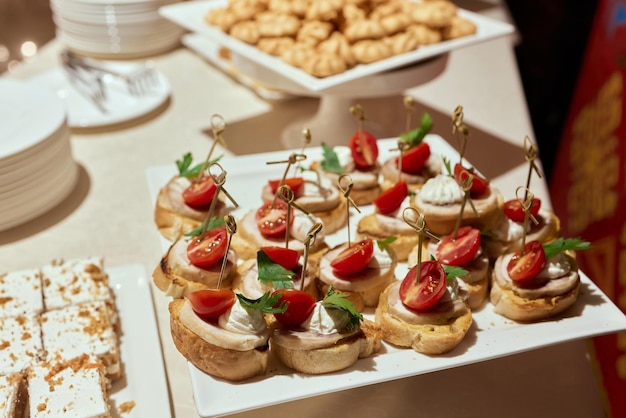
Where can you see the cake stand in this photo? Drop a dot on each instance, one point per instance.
(333, 124)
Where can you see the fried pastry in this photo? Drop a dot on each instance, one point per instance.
(368, 51)
(323, 64)
(458, 28)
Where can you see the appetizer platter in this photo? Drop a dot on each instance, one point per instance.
(491, 335)
(191, 15)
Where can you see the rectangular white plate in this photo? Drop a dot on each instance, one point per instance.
(144, 380)
(190, 15)
(490, 337)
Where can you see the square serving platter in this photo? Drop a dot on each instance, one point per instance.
(491, 335)
(144, 381)
(190, 15)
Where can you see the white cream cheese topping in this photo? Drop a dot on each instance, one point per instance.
(326, 321)
(344, 155)
(227, 338)
(441, 190)
(393, 222)
(302, 224)
(241, 320)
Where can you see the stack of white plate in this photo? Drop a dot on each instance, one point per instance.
(114, 28)
(37, 169)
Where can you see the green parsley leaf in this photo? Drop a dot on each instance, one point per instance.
(184, 165)
(270, 272)
(213, 223)
(383, 244)
(559, 245)
(336, 300)
(330, 162)
(447, 165)
(416, 136)
(265, 303)
(454, 271)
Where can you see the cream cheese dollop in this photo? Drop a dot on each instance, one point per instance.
(326, 321)
(302, 224)
(241, 320)
(441, 190)
(344, 155)
(237, 329)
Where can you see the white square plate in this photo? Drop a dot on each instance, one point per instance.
(144, 381)
(190, 15)
(491, 336)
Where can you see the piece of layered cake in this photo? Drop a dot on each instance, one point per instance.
(20, 293)
(83, 329)
(20, 343)
(13, 396)
(76, 389)
(75, 281)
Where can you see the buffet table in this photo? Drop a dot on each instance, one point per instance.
(110, 214)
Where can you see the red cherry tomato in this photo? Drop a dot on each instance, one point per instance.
(208, 250)
(211, 303)
(272, 220)
(526, 267)
(479, 184)
(286, 257)
(294, 183)
(391, 199)
(364, 149)
(414, 159)
(426, 293)
(200, 193)
(354, 258)
(460, 250)
(299, 308)
(513, 209)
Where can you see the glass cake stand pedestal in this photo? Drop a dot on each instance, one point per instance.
(333, 123)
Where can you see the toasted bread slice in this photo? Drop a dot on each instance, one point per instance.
(423, 338)
(225, 363)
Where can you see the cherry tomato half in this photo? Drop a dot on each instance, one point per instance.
(526, 267)
(460, 250)
(479, 184)
(208, 250)
(211, 303)
(354, 258)
(391, 199)
(286, 257)
(414, 159)
(199, 194)
(513, 209)
(272, 219)
(299, 308)
(364, 149)
(426, 293)
(294, 183)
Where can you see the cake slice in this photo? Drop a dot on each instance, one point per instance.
(75, 281)
(13, 396)
(20, 293)
(76, 330)
(20, 343)
(76, 389)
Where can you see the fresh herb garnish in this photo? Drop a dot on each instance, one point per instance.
(448, 166)
(265, 303)
(185, 169)
(383, 244)
(213, 223)
(330, 162)
(559, 245)
(452, 272)
(336, 300)
(271, 272)
(416, 136)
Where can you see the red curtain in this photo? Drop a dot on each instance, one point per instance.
(588, 182)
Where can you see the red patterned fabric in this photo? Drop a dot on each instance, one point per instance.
(588, 184)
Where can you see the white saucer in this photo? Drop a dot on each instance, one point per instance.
(120, 105)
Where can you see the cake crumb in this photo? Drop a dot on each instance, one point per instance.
(126, 407)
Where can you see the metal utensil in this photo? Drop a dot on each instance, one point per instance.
(138, 81)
